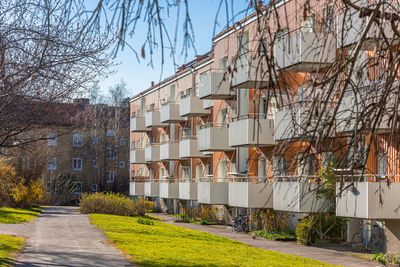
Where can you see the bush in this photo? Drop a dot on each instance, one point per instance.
(112, 203)
(145, 221)
(386, 258)
(321, 227)
(29, 195)
(208, 214)
(280, 236)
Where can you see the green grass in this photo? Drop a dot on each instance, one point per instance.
(163, 244)
(9, 246)
(280, 236)
(14, 215)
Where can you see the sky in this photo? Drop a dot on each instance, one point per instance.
(138, 75)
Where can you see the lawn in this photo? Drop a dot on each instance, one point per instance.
(14, 215)
(168, 245)
(9, 246)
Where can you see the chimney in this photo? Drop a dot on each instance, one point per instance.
(152, 84)
(260, 3)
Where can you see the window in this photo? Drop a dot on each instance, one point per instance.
(262, 167)
(243, 42)
(307, 25)
(94, 164)
(327, 158)
(95, 140)
(110, 153)
(110, 133)
(94, 187)
(110, 176)
(52, 165)
(184, 172)
(132, 173)
(329, 18)
(185, 133)
(382, 163)
(52, 139)
(133, 115)
(189, 91)
(163, 172)
(77, 188)
(151, 140)
(223, 64)
(279, 165)
(305, 164)
(122, 164)
(77, 140)
(76, 164)
(133, 145)
(181, 95)
(152, 107)
(122, 141)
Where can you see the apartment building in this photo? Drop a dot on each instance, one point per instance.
(247, 125)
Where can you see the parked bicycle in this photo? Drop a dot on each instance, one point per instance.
(241, 223)
(369, 239)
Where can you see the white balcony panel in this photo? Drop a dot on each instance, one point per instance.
(215, 86)
(151, 189)
(188, 149)
(252, 72)
(213, 139)
(187, 191)
(153, 119)
(213, 193)
(251, 195)
(192, 106)
(251, 132)
(368, 200)
(152, 153)
(169, 190)
(305, 51)
(136, 189)
(298, 197)
(169, 151)
(170, 113)
(137, 156)
(138, 125)
(208, 104)
(351, 27)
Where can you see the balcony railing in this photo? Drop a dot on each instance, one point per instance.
(251, 130)
(213, 137)
(208, 104)
(215, 85)
(152, 153)
(192, 106)
(250, 192)
(187, 189)
(137, 156)
(153, 119)
(299, 194)
(213, 192)
(169, 188)
(170, 113)
(169, 151)
(188, 148)
(152, 189)
(368, 197)
(138, 125)
(305, 50)
(136, 188)
(251, 71)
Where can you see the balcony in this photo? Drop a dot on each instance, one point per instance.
(169, 151)
(213, 137)
(152, 153)
(251, 193)
(297, 121)
(368, 200)
(251, 72)
(251, 130)
(153, 119)
(351, 27)
(188, 148)
(169, 189)
(187, 190)
(136, 189)
(215, 86)
(137, 156)
(138, 125)
(208, 104)
(212, 193)
(299, 51)
(192, 106)
(151, 189)
(296, 194)
(170, 113)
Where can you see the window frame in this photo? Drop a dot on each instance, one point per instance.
(77, 159)
(108, 153)
(109, 180)
(77, 137)
(52, 139)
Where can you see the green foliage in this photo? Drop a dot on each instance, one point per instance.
(321, 227)
(169, 245)
(9, 246)
(145, 221)
(280, 236)
(271, 221)
(15, 215)
(386, 258)
(328, 178)
(112, 203)
(28, 195)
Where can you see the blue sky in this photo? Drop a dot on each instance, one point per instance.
(139, 75)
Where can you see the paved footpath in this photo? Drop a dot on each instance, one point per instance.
(62, 236)
(331, 255)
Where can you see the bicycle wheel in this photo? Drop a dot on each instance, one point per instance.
(357, 242)
(376, 242)
(245, 227)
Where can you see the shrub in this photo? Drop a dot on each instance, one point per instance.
(321, 227)
(281, 236)
(208, 214)
(386, 258)
(29, 195)
(112, 203)
(145, 221)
